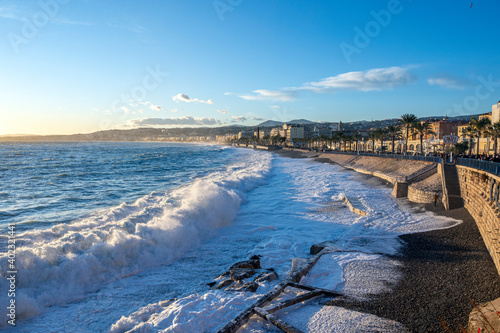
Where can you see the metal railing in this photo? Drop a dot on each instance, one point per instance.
(435, 159)
(488, 166)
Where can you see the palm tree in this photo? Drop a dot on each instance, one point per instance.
(356, 137)
(479, 126)
(494, 133)
(470, 132)
(372, 136)
(380, 135)
(341, 138)
(394, 133)
(422, 128)
(408, 119)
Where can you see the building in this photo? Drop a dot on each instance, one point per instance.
(245, 134)
(442, 128)
(495, 111)
(264, 133)
(322, 131)
(275, 132)
(293, 132)
(461, 129)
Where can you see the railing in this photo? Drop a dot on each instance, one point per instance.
(435, 159)
(488, 166)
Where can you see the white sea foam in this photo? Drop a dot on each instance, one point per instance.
(281, 233)
(61, 264)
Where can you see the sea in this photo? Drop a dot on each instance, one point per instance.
(126, 236)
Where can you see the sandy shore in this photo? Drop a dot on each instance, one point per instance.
(441, 270)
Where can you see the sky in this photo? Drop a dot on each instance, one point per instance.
(79, 66)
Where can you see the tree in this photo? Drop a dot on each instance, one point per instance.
(356, 137)
(470, 132)
(394, 132)
(408, 120)
(494, 133)
(380, 134)
(422, 128)
(460, 148)
(372, 136)
(479, 125)
(340, 137)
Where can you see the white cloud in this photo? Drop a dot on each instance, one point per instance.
(187, 120)
(126, 110)
(257, 118)
(155, 107)
(223, 111)
(185, 98)
(371, 80)
(272, 95)
(449, 81)
(237, 119)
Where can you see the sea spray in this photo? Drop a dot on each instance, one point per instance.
(62, 263)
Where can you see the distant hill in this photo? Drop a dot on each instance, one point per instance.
(273, 123)
(300, 121)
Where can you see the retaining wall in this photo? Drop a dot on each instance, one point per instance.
(420, 196)
(386, 168)
(481, 193)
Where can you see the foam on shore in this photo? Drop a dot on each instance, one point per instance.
(289, 236)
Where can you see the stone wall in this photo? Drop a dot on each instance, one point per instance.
(420, 196)
(481, 193)
(389, 169)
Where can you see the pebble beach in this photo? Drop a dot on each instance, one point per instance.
(442, 272)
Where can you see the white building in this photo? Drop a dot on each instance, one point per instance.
(495, 112)
(246, 134)
(293, 132)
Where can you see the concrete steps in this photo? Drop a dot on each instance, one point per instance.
(453, 198)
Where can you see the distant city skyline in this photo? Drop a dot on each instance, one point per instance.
(79, 67)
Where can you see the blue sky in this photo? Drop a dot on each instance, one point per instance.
(70, 66)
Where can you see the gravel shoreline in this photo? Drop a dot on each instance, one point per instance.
(441, 270)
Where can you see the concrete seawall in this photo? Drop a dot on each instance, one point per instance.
(421, 190)
(480, 190)
(481, 193)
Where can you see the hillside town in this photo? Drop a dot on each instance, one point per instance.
(476, 136)
(463, 135)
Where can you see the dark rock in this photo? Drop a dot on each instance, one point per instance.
(238, 274)
(266, 277)
(247, 286)
(211, 284)
(223, 284)
(254, 263)
(316, 248)
(223, 275)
